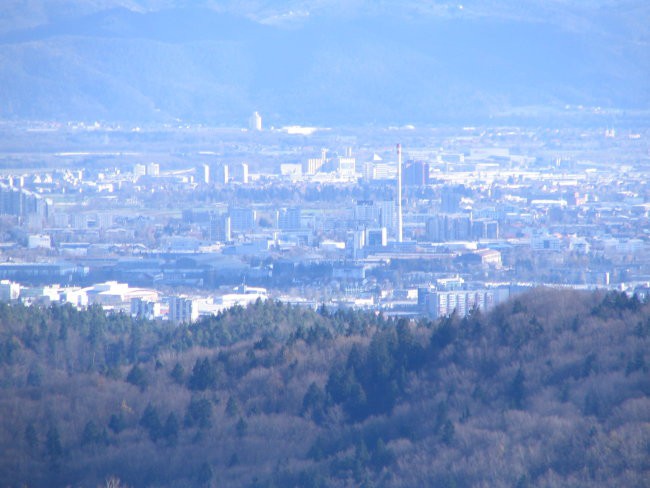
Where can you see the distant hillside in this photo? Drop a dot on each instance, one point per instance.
(337, 63)
(550, 389)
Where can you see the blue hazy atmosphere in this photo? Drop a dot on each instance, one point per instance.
(338, 63)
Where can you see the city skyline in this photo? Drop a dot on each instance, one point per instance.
(324, 244)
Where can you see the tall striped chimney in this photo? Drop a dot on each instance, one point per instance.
(399, 193)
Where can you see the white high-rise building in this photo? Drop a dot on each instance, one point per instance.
(347, 166)
(148, 309)
(240, 172)
(203, 173)
(43, 241)
(105, 220)
(290, 218)
(183, 310)
(443, 303)
(9, 290)
(386, 215)
(220, 228)
(255, 122)
(153, 169)
(244, 173)
(139, 170)
(369, 171)
(314, 165)
(242, 219)
(219, 173)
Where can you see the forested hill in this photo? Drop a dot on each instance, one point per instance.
(550, 389)
(325, 63)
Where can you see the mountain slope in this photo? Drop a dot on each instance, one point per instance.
(354, 65)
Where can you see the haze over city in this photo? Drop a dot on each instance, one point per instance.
(324, 243)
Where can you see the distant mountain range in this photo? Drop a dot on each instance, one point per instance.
(326, 62)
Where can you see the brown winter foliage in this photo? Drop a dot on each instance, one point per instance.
(550, 389)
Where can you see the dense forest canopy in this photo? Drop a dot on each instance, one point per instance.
(549, 389)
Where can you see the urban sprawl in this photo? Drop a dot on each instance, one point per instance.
(448, 221)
